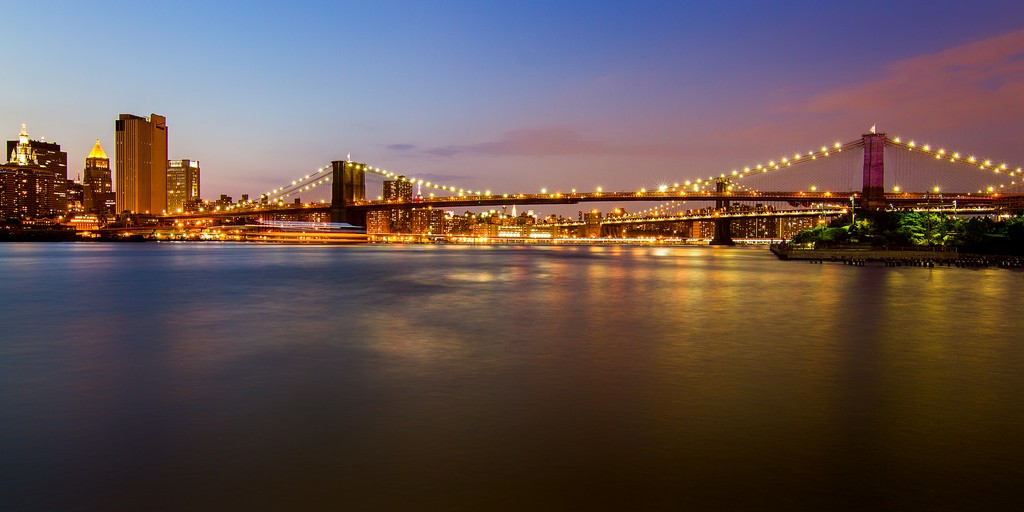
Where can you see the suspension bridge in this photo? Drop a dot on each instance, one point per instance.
(875, 171)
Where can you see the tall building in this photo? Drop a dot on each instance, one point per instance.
(97, 187)
(182, 184)
(141, 156)
(45, 156)
(398, 191)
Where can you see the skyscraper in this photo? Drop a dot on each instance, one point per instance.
(141, 156)
(182, 183)
(399, 191)
(97, 191)
(45, 156)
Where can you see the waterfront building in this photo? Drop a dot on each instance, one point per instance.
(428, 221)
(398, 191)
(25, 192)
(44, 156)
(26, 189)
(183, 184)
(378, 221)
(76, 197)
(97, 194)
(141, 156)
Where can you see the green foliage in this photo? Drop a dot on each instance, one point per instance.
(905, 228)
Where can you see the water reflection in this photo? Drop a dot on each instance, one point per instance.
(501, 377)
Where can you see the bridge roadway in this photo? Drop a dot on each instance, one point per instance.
(902, 200)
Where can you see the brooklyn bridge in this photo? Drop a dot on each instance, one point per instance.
(873, 172)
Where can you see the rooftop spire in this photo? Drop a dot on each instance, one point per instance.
(97, 151)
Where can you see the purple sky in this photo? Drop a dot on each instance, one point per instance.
(513, 96)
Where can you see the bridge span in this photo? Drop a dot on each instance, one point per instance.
(348, 202)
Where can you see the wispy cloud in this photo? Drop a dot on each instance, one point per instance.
(556, 140)
(400, 147)
(980, 82)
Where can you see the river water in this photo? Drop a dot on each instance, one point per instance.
(251, 377)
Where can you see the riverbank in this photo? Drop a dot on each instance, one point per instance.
(909, 256)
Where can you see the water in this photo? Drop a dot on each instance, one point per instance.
(231, 377)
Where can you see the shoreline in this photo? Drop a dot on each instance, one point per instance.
(912, 257)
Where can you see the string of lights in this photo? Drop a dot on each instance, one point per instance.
(957, 157)
(735, 176)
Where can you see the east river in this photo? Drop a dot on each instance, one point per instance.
(260, 377)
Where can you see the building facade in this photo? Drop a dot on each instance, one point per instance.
(97, 185)
(47, 157)
(26, 188)
(399, 220)
(182, 184)
(25, 192)
(141, 157)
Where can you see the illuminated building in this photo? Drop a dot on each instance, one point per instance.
(398, 191)
(182, 184)
(25, 192)
(141, 156)
(378, 221)
(97, 192)
(76, 197)
(428, 221)
(26, 189)
(45, 156)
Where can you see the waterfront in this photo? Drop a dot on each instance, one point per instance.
(231, 376)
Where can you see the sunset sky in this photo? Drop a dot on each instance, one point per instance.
(512, 96)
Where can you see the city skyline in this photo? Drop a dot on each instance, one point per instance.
(515, 98)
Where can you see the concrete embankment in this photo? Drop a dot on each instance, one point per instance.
(897, 258)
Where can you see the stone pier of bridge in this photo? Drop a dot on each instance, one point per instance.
(348, 186)
(873, 193)
(723, 226)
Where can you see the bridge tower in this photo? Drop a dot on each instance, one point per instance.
(723, 226)
(873, 197)
(348, 187)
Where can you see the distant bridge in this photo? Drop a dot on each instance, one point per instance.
(1002, 191)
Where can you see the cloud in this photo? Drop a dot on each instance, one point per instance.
(400, 147)
(980, 82)
(557, 140)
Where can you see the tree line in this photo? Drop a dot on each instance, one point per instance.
(982, 235)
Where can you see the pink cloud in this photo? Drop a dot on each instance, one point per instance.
(557, 140)
(974, 84)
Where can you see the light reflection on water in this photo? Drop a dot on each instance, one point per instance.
(501, 377)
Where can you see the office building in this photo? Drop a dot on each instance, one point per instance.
(398, 191)
(97, 192)
(44, 156)
(141, 157)
(182, 184)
